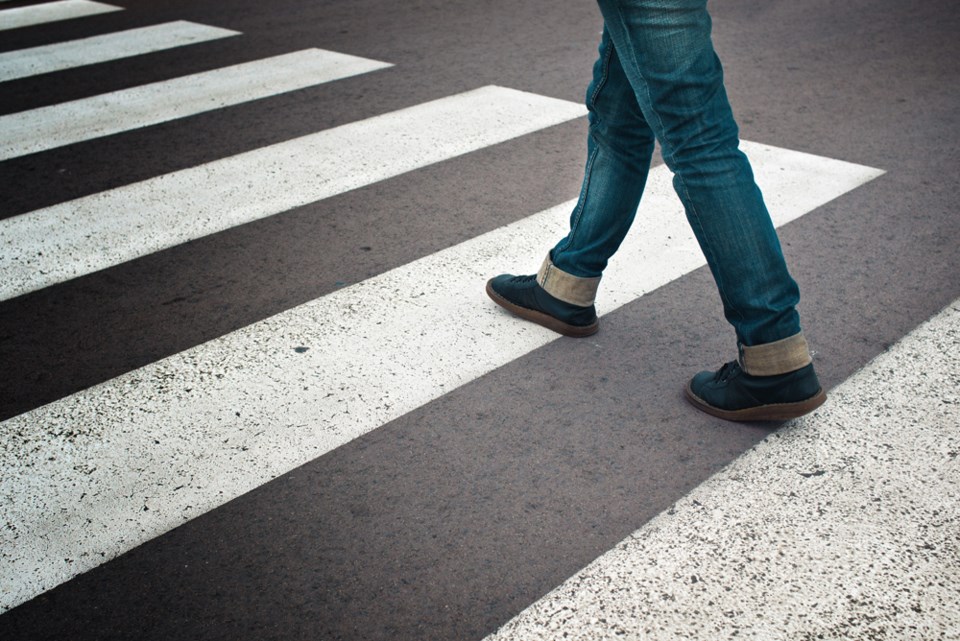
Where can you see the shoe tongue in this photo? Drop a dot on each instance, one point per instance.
(729, 370)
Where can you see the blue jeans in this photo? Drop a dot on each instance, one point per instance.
(658, 78)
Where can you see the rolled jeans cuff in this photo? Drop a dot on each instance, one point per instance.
(575, 290)
(778, 357)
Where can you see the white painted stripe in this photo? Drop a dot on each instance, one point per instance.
(51, 12)
(63, 124)
(843, 525)
(185, 434)
(78, 237)
(122, 44)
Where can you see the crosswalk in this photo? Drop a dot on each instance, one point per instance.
(216, 196)
(338, 367)
(91, 476)
(51, 245)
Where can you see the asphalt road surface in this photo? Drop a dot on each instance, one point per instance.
(252, 387)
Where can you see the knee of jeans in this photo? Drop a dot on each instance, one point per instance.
(617, 123)
(635, 152)
(712, 156)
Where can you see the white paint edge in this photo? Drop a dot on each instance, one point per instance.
(51, 12)
(842, 525)
(63, 124)
(23, 63)
(185, 434)
(71, 239)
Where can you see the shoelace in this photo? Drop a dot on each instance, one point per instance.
(728, 371)
(524, 279)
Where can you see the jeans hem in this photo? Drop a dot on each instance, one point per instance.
(575, 290)
(778, 357)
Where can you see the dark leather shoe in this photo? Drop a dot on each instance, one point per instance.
(523, 296)
(732, 394)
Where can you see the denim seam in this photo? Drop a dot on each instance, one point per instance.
(588, 172)
(578, 212)
(603, 77)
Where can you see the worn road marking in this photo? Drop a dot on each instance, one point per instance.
(845, 523)
(22, 63)
(66, 123)
(51, 12)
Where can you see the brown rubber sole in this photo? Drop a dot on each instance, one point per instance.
(546, 320)
(772, 412)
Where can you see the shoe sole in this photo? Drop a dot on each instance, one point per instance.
(772, 412)
(546, 320)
